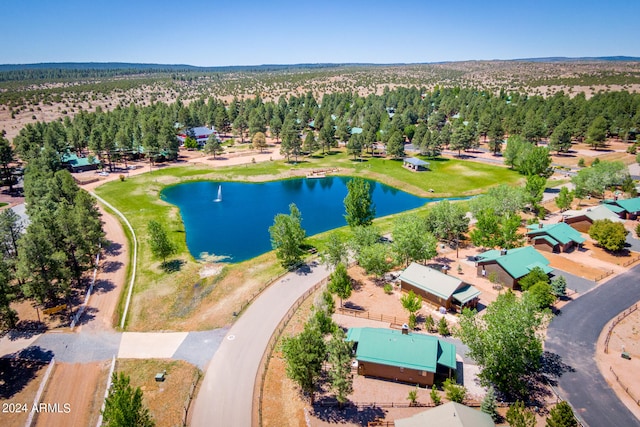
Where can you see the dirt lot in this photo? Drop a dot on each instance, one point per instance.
(166, 400)
(622, 374)
(81, 387)
(19, 382)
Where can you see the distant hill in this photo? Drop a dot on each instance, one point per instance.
(263, 67)
(581, 59)
(161, 67)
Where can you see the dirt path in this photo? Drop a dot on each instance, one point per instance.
(77, 389)
(110, 280)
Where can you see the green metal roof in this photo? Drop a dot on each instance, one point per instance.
(413, 351)
(466, 294)
(74, 161)
(614, 208)
(546, 238)
(630, 205)
(516, 262)
(561, 232)
(430, 280)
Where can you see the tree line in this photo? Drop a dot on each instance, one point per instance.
(44, 260)
(455, 118)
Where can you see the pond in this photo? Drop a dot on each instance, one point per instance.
(232, 219)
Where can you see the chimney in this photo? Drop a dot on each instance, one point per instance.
(540, 225)
(405, 329)
(503, 252)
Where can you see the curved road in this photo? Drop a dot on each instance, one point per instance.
(226, 395)
(573, 335)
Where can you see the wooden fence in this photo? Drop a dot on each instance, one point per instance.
(624, 387)
(262, 369)
(631, 261)
(603, 275)
(187, 403)
(615, 322)
(365, 314)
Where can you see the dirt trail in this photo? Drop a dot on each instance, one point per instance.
(73, 395)
(110, 280)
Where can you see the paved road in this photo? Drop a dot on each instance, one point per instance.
(226, 396)
(573, 335)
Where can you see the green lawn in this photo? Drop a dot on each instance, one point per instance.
(138, 199)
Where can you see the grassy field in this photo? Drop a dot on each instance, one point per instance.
(180, 299)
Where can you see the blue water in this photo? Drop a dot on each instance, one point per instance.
(237, 228)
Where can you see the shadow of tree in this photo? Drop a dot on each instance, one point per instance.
(26, 329)
(353, 306)
(172, 266)
(111, 266)
(103, 286)
(113, 249)
(88, 315)
(17, 371)
(326, 409)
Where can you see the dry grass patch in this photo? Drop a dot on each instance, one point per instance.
(166, 400)
(184, 301)
(618, 258)
(562, 263)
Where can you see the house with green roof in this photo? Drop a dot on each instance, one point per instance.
(74, 163)
(582, 219)
(511, 265)
(400, 356)
(554, 237)
(625, 208)
(451, 414)
(438, 288)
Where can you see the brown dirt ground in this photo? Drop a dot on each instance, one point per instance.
(282, 403)
(110, 281)
(626, 335)
(82, 386)
(19, 383)
(166, 400)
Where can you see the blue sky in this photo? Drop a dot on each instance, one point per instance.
(243, 32)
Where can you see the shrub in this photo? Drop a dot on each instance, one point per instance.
(443, 327)
(388, 289)
(429, 323)
(413, 397)
(121, 178)
(435, 396)
(581, 162)
(453, 391)
(493, 277)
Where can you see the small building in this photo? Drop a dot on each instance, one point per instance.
(451, 414)
(74, 163)
(399, 356)
(438, 288)
(582, 219)
(511, 265)
(200, 134)
(625, 208)
(554, 237)
(415, 164)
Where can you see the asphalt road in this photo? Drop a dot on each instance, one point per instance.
(573, 335)
(226, 395)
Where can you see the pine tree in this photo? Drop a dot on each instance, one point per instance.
(489, 404)
(340, 360)
(561, 416)
(124, 407)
